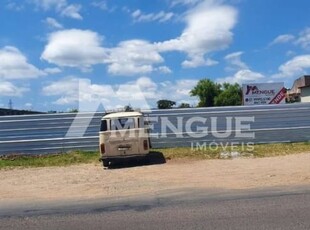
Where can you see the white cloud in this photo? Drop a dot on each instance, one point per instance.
(14, 6)
(72, 11)
(103, 5)
(14, 65)
(136, 13)
(161, 16)
(162, 90)
(304, 39)
(198, 60)
(243, 76)
(74, 48)
(72, 90)
(129, 69)
(281, 39)
(164, 69)
(67, 85)
(50, 4)
(53, 23)
(52, 70)
(82, 49)
(80, 90)
(208, 29)
(60, 6)
(146, 83)
(8, 89)
(182, 89)
(234, 61)
(290, 53)
(294, 67)
(133, 57)
(185, 2)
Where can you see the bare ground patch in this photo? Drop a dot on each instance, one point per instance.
(88, 181)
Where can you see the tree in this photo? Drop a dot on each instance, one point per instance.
(165, 104)
(73, 111)
(52, 111)
(184, 105)
(206, 90)
(128, 108)
(230, 95)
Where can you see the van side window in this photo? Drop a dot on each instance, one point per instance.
(104, 126)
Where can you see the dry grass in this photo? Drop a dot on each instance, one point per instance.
(78, 157)
(259, 150)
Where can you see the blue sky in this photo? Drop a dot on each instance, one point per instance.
(65, 54)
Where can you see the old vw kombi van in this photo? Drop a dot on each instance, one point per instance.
(123, 135)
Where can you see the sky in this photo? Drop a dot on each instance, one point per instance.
(74, 54)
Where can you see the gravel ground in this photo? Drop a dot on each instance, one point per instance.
(92, 181)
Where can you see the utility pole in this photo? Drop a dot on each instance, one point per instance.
(10, 104)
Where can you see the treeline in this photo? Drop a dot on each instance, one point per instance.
(209, 94)
(9, 112)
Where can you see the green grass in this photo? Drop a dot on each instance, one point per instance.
(260, 150)
(79, 157)
(76, 157)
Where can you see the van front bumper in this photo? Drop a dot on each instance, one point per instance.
(122, 157)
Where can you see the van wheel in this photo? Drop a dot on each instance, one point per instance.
(147, 159)
(105, 163)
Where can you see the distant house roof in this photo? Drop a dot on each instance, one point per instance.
(301, 82)
(305, 86)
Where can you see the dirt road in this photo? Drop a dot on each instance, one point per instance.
(91, 181)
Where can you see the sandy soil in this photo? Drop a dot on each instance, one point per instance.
(92, 181)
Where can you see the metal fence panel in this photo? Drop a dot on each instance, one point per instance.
(48, 133)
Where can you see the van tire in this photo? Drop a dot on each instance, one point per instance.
(105, 163)
(147, 159)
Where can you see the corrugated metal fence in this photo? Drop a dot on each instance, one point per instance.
(56, 133)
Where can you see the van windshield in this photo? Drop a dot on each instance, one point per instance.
(123, 123)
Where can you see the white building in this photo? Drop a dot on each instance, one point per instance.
(300, 92)
(305, 94)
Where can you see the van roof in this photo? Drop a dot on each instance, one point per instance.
(122, 114)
